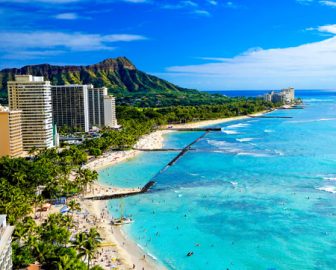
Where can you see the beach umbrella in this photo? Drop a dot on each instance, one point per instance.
(64, 209)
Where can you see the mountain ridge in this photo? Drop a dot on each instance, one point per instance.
(118, 74)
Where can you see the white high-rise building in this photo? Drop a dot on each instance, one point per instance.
(110, 112)
(6, 232)
(102, 108)
(32, 95)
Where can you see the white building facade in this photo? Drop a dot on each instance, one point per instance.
(102, 108)
(110, 112)
(5, 244)
(32, 95)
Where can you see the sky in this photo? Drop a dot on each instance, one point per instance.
(201, 44)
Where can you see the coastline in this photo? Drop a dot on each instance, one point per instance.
(127, 249)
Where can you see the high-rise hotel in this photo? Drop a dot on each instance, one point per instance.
(82, 107)
(70, 106)
(32, 95)
(10, 132)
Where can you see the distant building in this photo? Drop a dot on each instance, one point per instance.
(6, 232)
(32, 95)
(10, 133)
(110, 112)
(70, 106)
(102, 108)
(286, 96)
(96, 106)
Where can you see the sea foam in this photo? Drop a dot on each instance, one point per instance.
(229, 132)
(330, 189)
(245, 139)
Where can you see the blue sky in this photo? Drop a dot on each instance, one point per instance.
(203, 44)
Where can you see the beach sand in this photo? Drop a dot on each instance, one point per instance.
(122, 246)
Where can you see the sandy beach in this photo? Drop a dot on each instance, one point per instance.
(116, 243)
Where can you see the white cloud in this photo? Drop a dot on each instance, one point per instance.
(309, 65)
(213, 2)
(41, 42)
(201, 12)
(328, 3)
(330, 28)
(67, 16)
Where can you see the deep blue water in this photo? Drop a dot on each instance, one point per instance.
(258, 93)
(259, 195)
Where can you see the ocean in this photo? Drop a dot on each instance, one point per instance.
(261, 194)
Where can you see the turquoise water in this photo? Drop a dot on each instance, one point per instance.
(259, 195)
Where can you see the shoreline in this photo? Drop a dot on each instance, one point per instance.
(128, 250)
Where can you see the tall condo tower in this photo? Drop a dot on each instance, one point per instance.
(96, 106)
(110, 117)
(10, 132)
(32, 95)
(70, 106)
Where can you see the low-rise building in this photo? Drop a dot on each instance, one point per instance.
(6, 232)
(10, 132)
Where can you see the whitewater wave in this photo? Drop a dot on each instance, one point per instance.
(229, 132)
(238, 125)
(253, 154)
(317, 100)
(312, 120)
(329, 178)
(330, 189)
(237, 149)
(245, 139)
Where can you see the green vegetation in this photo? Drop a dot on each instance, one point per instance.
(19, 179)
(50, 244)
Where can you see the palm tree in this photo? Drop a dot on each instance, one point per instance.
(67, 262)
(74, 206)
(86, 177)
(86, 244)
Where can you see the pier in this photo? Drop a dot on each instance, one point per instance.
(121, 194)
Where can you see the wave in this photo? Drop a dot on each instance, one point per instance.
(317, 100)
(238, 125)
(312, 120)
(147, 253)
(329, 178)
(268, 130)
(237, 149)
(245, 139)
(253, 154)
(229, 132)
(330, 189)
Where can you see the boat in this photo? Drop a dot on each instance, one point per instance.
(122, 220)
